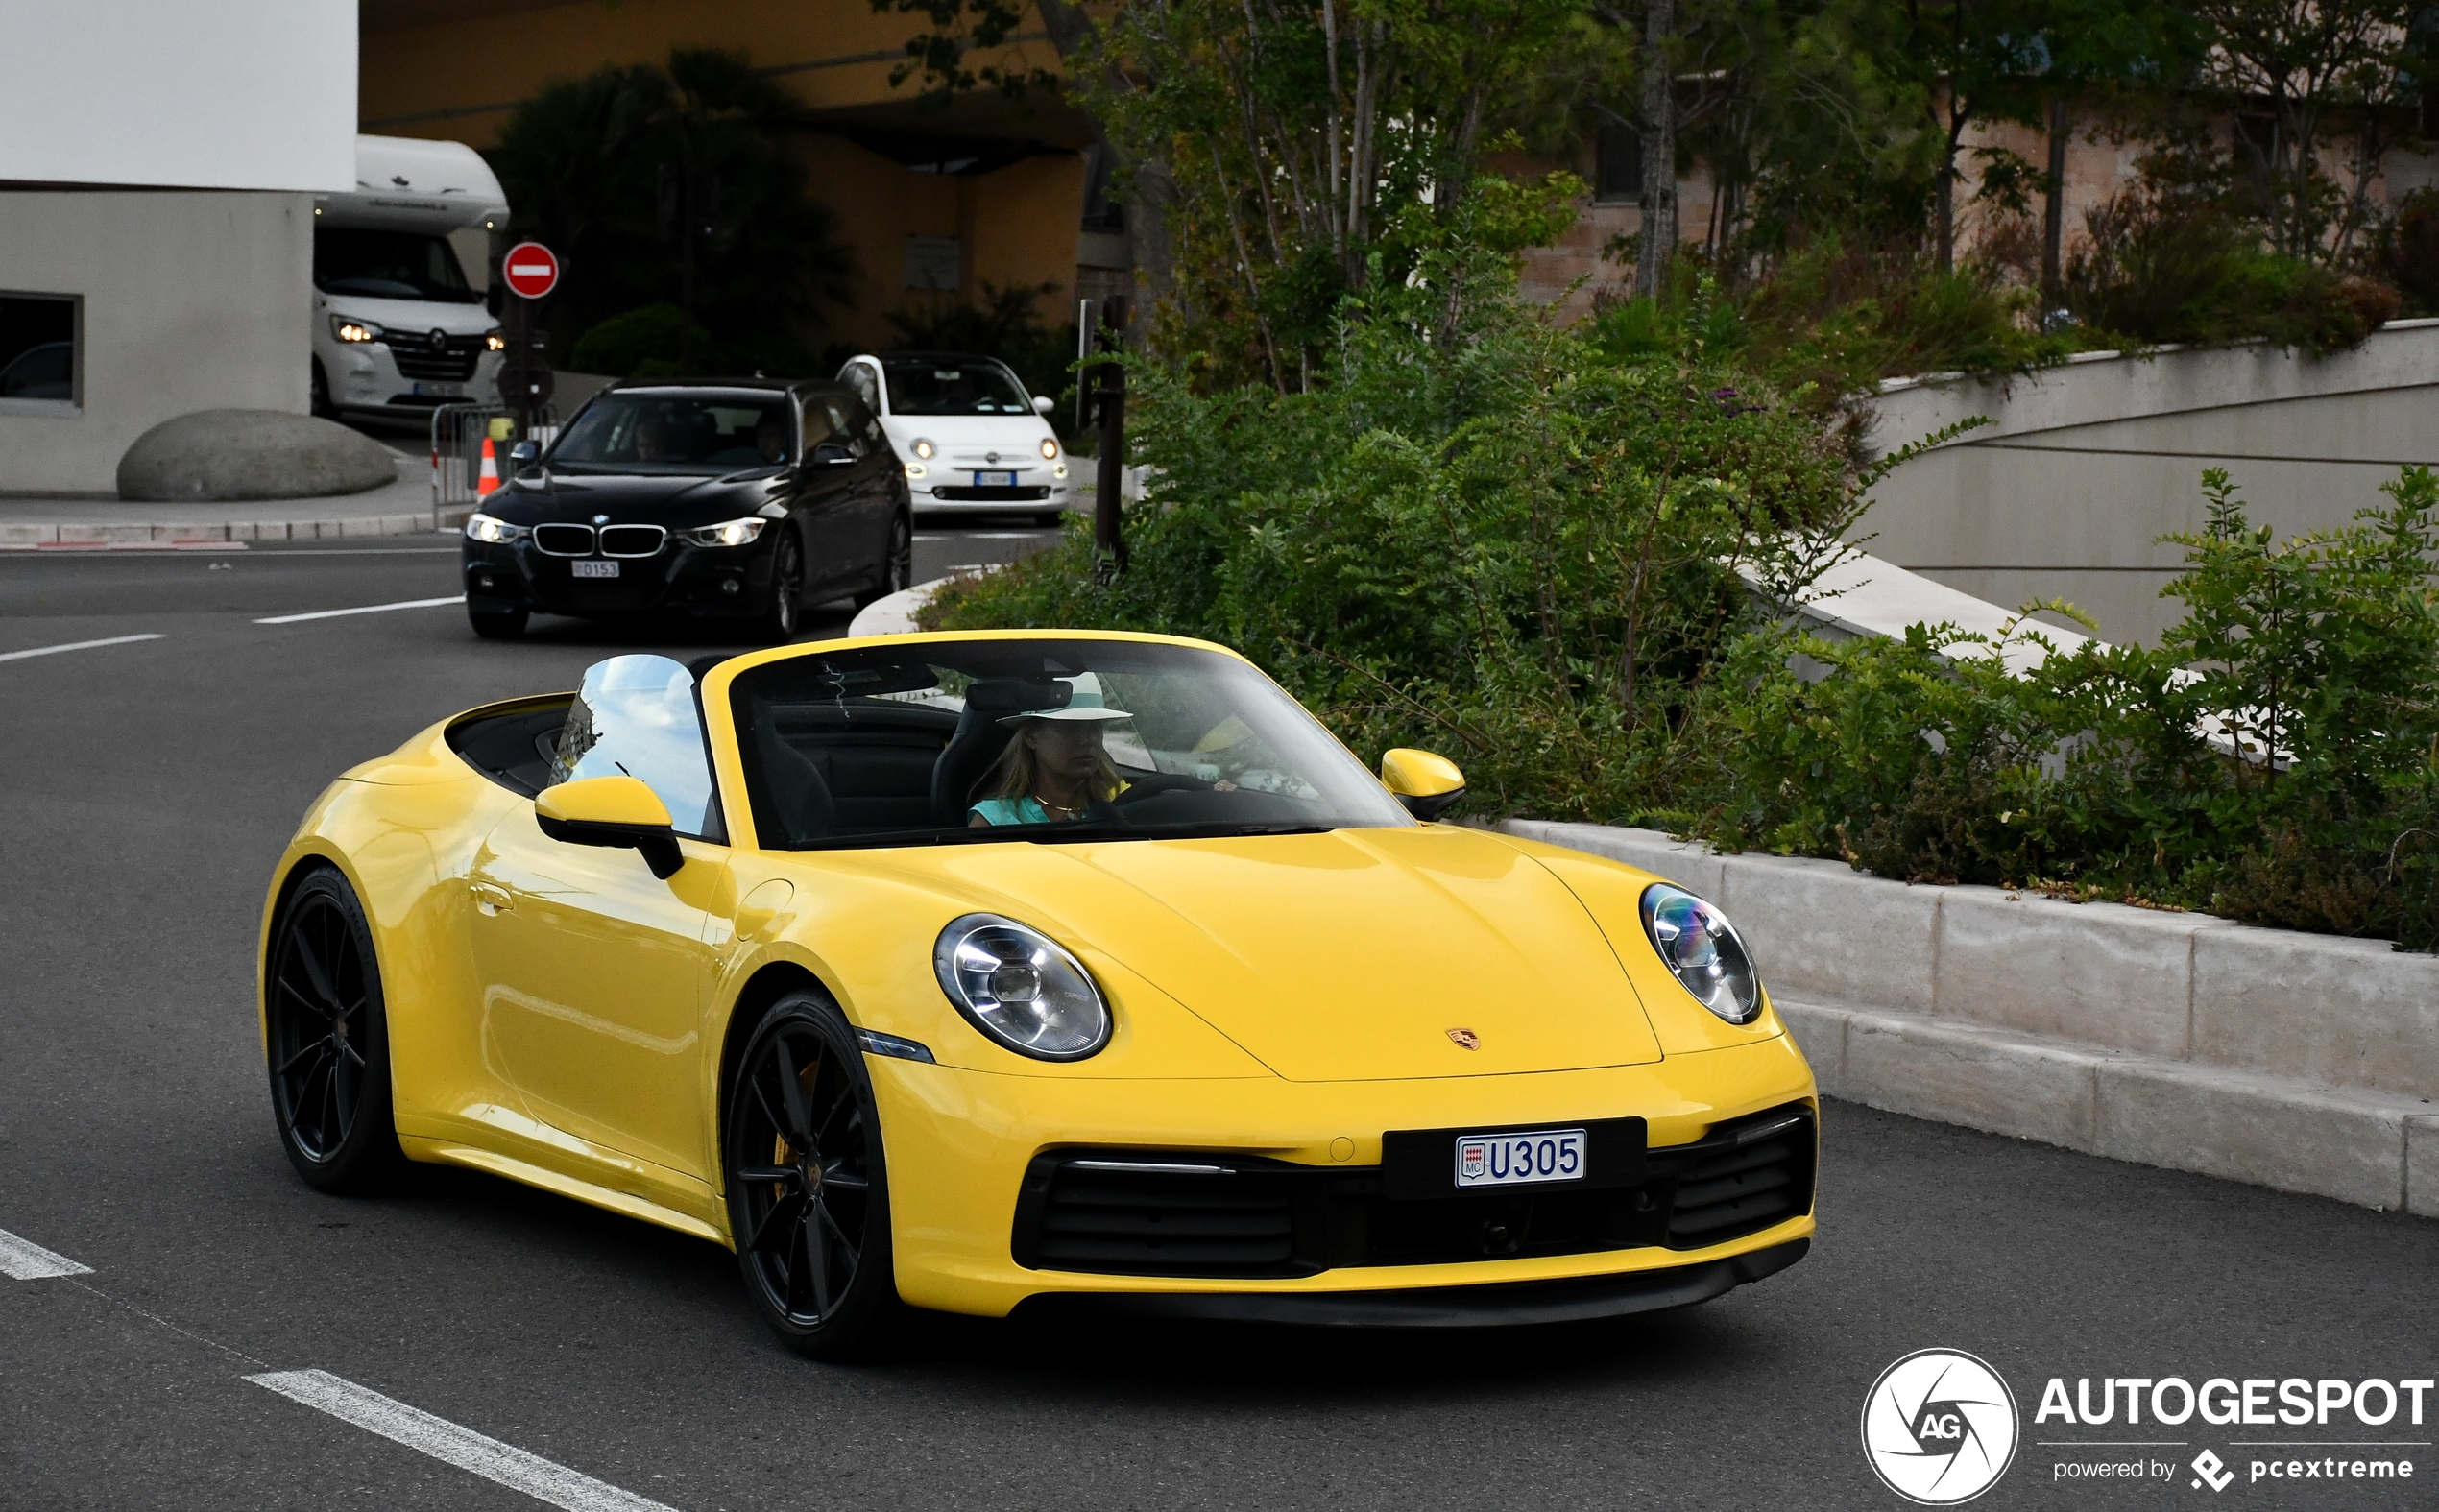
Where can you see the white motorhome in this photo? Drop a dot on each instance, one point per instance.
(398, 326)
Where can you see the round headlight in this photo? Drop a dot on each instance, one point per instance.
(1049, 449)
(1699, 946)
(924, 448)
(1020, 988)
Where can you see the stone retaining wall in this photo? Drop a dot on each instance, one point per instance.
(2297, 1061)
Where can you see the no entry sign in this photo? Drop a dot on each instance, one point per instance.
(530, 270)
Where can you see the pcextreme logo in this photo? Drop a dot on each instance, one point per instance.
(1939, 1427)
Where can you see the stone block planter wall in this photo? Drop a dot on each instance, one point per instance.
(2296, 1060)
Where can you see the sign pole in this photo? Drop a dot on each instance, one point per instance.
(1109, 543)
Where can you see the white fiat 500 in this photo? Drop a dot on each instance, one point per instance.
(974, 442)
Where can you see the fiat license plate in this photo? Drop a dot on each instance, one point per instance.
(994, 480)
(594, 569)
(440, 391)
(1505, 1160)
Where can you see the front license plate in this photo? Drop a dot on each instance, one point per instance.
(1507, 1159)
(440, 391)
(595, 570)
(994, 480)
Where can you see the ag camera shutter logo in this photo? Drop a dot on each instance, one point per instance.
(1939, 1427)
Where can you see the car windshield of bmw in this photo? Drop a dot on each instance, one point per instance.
(671, 432)
(926, 385)
(1047, 740)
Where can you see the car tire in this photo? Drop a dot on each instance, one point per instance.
(327, 1038)
(786, 610)
(897, 573)
(1050, 518)
(807, 1186)
(503, 625)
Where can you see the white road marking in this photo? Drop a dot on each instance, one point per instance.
(23, 1259)
(445, 1441)
(55, 548)
(369, 609)
(73, 645)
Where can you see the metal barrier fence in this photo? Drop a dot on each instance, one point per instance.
(458, 434)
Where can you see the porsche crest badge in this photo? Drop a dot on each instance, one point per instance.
(1467, 1038)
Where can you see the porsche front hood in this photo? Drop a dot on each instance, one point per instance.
(1354, 955)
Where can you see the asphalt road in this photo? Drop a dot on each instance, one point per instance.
(150, 784)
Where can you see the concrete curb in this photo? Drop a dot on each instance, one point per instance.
(894, 614)
(2300, 1062)
(181, 532)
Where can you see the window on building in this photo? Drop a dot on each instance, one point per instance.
(1617, 163)
(38, 346)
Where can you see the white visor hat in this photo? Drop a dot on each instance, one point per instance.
(1087, 704)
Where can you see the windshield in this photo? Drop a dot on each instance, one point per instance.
(684, 433)
(956, 742)
(953, 386)
(388, 265)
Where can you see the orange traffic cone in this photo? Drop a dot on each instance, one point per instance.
(490, 479)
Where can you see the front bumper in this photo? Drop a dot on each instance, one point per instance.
(369, 379)
(709, 581)
(959, 1144)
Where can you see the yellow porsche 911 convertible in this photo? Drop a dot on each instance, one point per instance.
(1029, 969)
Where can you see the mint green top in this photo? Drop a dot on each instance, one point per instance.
(1026, 810)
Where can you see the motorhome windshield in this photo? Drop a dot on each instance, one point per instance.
(388, 265)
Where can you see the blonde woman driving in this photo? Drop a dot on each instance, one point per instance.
(1055, 768)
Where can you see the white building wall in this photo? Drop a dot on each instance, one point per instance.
(192, 300)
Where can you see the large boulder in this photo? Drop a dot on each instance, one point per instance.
(252, 454)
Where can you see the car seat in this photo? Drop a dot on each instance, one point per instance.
(980, 737)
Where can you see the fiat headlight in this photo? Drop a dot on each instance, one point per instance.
(1700, 948)
(1020, 988)
(728, 533)
(916, 469)
(924, 448)
(493, 530)
(1049, 449)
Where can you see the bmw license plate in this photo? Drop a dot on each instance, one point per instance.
(440, 391)
(594, 569)
(1506, 1160)
(994, 480)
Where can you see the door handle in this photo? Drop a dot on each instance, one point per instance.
(491, 899)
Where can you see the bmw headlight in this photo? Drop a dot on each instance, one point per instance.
(1699, 946)
(353, 331)
(490, 528)
(1020, 988)
(728, 533)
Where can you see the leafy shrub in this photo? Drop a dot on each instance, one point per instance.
(2162, 267)
(637, 344)
(1483, 536)
(2275, 759)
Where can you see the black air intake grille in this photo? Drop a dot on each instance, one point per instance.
(1143, 1220)
(1741, 1179)
(1133, 1212)
(632, 541)
(563, 541)
(991, 494)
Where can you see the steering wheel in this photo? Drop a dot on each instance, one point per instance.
(1161, 783)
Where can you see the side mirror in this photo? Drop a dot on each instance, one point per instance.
(831, 454)
(612, 812)
(1043, 404)
(525, 453)
(1428, 785)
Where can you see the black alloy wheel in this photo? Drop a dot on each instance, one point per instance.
(787, 587)
(503, 625)
(897, 573)
(328, 1041)
(809, 1199)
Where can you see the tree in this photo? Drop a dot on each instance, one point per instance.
(2301, 76)
(681, 186)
